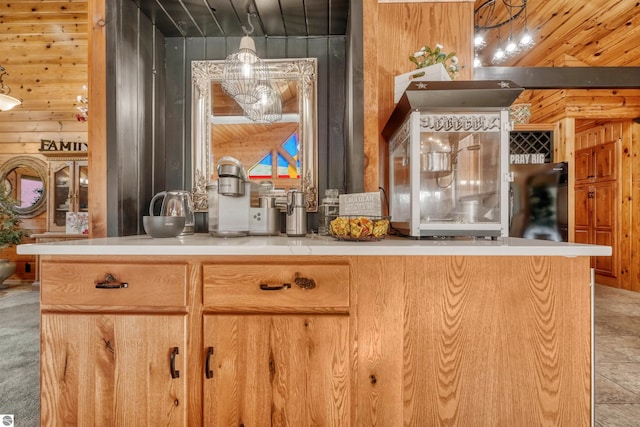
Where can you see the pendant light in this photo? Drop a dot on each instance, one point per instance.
(268, 108)
(244, 71)
(7, 102)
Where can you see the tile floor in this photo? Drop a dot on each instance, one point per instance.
(617, 389)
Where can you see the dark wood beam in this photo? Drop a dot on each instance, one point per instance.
(564, 77)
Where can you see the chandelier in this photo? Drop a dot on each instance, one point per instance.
(7, 102)
(493, 15)
(246, 79)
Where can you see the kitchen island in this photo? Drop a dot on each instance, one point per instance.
(270, 331)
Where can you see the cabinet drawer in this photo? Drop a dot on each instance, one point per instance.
(278, 286)
(147, 284)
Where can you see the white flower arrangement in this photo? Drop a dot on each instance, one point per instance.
(427, 56)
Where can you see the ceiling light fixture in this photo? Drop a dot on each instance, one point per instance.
(526, 41)
(246, 79)
(493, 14)
(7, 102)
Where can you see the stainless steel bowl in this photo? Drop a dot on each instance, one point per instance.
(435, 161)
(163, 226)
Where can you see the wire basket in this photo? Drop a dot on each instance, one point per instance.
(359, 227)
(520, 114)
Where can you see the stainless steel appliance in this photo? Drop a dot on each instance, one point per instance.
(448, 159)
(230, 200)
(176, 203)
(296, 222)
(265, 219)
(538, 201)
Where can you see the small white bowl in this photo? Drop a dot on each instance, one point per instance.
(163, 226)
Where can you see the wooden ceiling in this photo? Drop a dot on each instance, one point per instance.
(220, 18)
(570, 32)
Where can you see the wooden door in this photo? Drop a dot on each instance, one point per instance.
(604, 224)
(584, 165)
(113, 370)
(277, 370)
(583, 213)
(605, 161)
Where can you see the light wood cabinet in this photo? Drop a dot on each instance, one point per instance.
(311, 340)
(69, 191)
(112, 369)
(113, 353)
(596, 204)
(278, 344)
(596, 163)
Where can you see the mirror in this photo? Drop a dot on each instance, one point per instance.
(283, 152)
(25, 180)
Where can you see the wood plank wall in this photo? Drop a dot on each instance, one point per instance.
(392, 32)
(43, 47)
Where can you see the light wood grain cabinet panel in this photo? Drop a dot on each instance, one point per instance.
(277, 287)
(596, 201)
(468, 342)
(70, 283)
(277, 370)
(584, 165)
(112, 370)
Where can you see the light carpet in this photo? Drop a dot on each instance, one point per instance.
(19, 358)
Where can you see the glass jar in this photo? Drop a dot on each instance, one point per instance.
(329, 209)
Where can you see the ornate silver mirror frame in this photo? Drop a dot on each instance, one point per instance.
(205, 73)
(37, 169)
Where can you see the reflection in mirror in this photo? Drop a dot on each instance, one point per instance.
(283, 152)
(24, 179)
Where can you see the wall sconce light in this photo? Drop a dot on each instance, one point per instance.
(7, 102)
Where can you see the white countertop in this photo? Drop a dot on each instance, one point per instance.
(204, 244)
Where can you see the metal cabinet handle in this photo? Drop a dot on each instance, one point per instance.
(265, 287)
(174, 373)
(207, 370)
(110, 282)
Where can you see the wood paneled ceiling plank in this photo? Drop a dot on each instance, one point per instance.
(553, 39)
(229, 17)
(295, 17)
(618, 48)
(564, 27)
(271, 17)
(317, 15)
(201, 12)
(338, 16)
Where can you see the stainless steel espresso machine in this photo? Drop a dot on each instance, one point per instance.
(448, 159)
(235, 207)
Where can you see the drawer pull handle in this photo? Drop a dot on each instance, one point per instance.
(266, 287)
(110, 282)
(174, 373)
(208, 371)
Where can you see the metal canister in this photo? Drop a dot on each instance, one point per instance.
(296, 214)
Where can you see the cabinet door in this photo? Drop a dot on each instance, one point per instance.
(81, 195)
(605, 161)
(584, 165)
(604, 225)
(277, 370)
(113, 370)
(70, 191)
(583, 196)
(61, 194)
